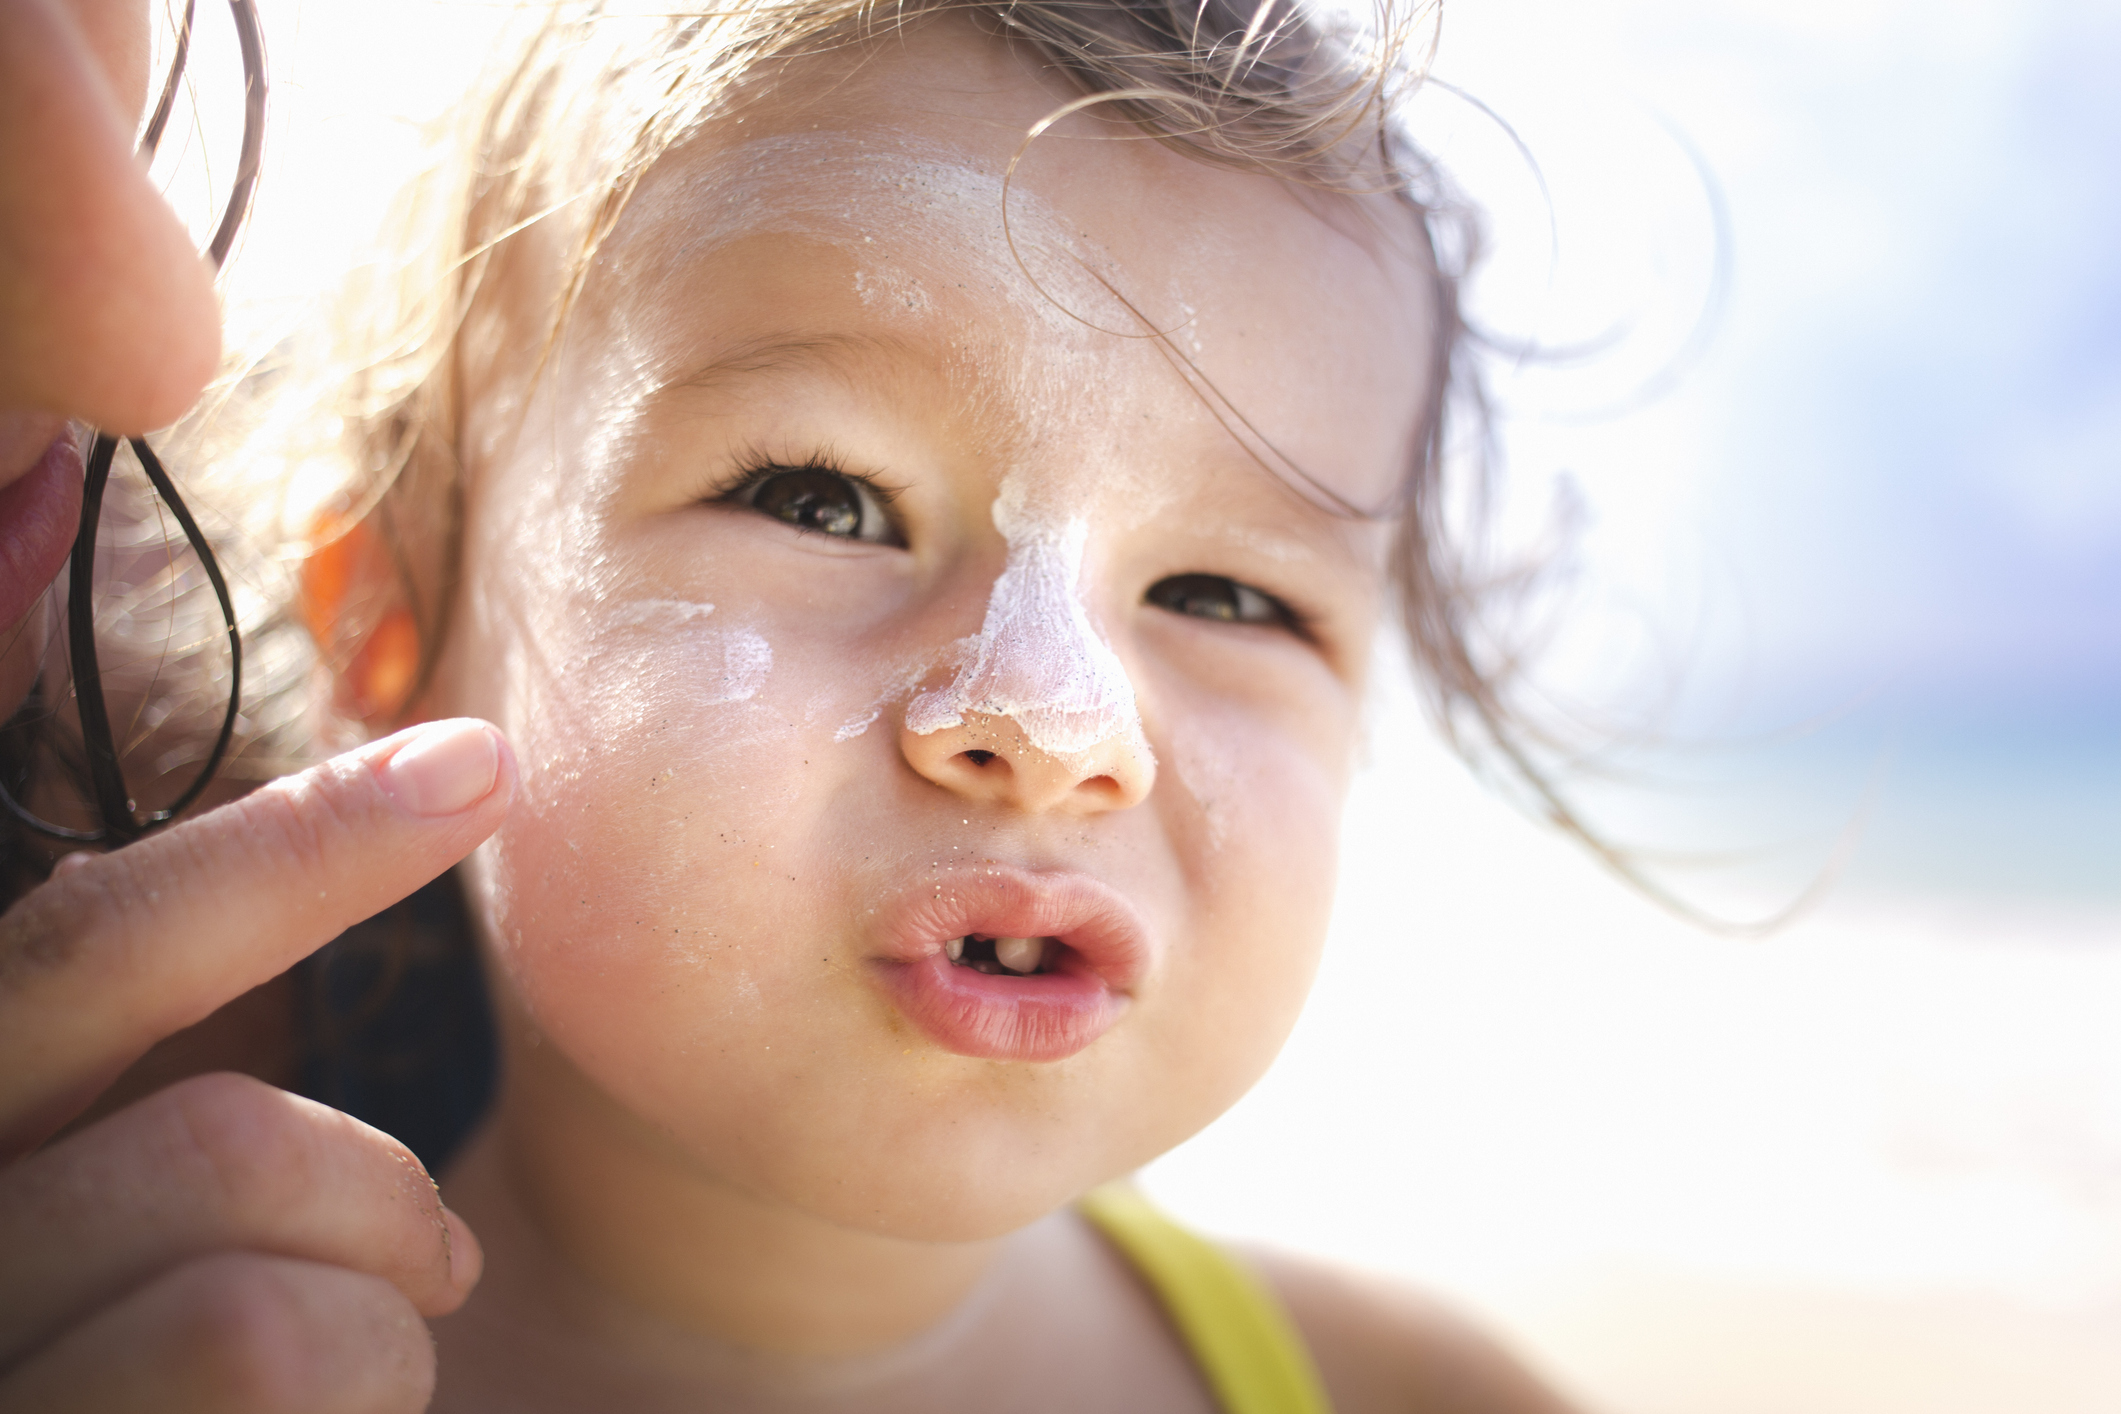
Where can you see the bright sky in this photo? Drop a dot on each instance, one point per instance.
(1898, 465)
(1875, 1164)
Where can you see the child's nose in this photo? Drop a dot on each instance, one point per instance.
(990, 759)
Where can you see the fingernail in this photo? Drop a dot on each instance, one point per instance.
(466, 1260)
(446, 768)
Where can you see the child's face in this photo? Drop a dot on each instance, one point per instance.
(767, 780)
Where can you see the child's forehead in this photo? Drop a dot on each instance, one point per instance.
(917, 216)
(864, 210)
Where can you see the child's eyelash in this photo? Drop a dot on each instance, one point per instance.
(1301, 622)
(753, 466)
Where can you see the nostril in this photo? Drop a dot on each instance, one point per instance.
(978, 758)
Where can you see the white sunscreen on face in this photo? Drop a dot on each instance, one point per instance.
(1038, 660)
(726, 665)
(746, 660)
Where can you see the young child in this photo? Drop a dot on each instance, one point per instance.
(918, 488)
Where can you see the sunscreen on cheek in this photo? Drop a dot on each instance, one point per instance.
(713, 666)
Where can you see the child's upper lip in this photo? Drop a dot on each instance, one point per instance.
(1000, 900)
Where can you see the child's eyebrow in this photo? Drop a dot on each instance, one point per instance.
(835, 352)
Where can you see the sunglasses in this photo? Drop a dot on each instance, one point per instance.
(121, 822)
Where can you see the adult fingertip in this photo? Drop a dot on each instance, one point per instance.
(466, 1258)
(445, 768)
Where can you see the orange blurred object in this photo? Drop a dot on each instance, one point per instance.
(377, 663)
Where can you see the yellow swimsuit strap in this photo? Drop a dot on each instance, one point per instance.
(1249, 1353)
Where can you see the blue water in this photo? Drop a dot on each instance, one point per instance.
(2034, 814)
(2018, 811)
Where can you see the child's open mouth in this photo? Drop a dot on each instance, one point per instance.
(1012, 964)
(1000, 957)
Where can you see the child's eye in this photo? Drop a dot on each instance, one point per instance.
(813, 498)
(1210, 596)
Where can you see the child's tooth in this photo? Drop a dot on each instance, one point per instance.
(955, 949)
(1020, 954)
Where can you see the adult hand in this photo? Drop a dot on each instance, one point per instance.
(222, 1245)
(219, 1245)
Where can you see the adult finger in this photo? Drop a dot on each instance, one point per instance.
(215, 1163)
(109, 957)
(237, 1333)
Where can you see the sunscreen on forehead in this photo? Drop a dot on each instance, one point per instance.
(1037, 660)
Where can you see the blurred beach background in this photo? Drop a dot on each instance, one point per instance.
(1849, 463)
(1842, 432)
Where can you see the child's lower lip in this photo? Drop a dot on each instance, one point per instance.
(39, 512)
(1048, 1016)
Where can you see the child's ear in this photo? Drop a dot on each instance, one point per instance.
(356, 605)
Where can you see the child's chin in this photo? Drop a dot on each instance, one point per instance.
(960, 1188)
(986, 1205)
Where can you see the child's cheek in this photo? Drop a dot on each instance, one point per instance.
(1256, 817)
(656, 752)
